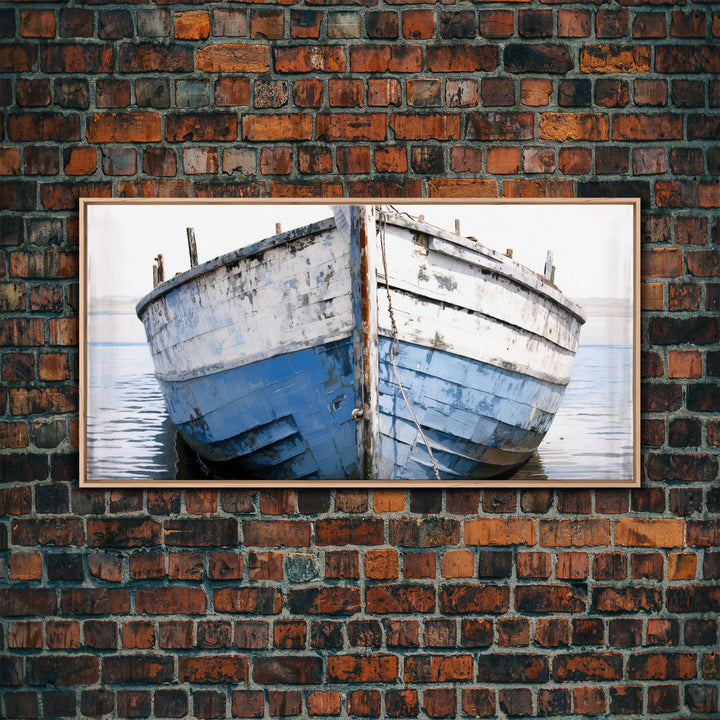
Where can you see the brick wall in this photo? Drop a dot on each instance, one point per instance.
(359, 604)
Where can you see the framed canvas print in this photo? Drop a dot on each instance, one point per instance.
(359, 342)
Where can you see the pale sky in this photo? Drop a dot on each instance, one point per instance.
(591, 243)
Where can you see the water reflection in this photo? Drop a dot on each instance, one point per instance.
(131, 437)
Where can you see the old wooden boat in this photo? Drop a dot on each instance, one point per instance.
(368, 345)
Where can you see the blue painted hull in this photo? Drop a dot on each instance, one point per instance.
(289, 416)
(284, 417)
(480, 420)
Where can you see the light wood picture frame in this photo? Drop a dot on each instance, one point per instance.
(359, 343)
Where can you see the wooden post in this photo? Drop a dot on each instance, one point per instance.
(192, 247)
(158, 271)
(548, 265)
(509, 252)
(278, 228)
(457, 226)
(367, 235)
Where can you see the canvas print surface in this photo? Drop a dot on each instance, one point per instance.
(375, 342)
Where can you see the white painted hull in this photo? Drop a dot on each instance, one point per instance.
(259, 356)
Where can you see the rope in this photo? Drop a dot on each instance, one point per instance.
(395, 344)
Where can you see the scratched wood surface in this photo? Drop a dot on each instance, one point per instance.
(253, 309)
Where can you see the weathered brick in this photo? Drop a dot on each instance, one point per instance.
(512, 668)
(461, 599)
(325, 601)
(233, 58)
(399, 599)
(495, 531)
(294, 126)
(250, 600)
(615, 59)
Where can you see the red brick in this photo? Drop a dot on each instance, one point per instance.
(513, 632)
(308, 93)
(552, 632)
(615, 59)
(399, 599)
(496, 531)
(574, 126)
(315, 159)
(363, 703)
(251, 600)
(661, 262)
(353, 160)
(684, 364)
(534, 565)
(213, 669)
(478, 702)
(170, 601)
(63, 635)
(419, 565)
(647, 532)
(138, 634)
(386, 58)
(649, 25)
(661, 126)
(461, 599)
(95, 601)
(381, 564)
(351, 127)
(549, 598)
(225, 566)
(154, 58)
(293, 126)
(662, 666)
(325, 601)
(418, 24)
(462, 58)
(277, 533)
(124, 127)
(251, 634)
(500, 126)
(288, 669)
(574, 23)
(324, 703)
(538, 160)
(587, 666)
(192, 25)
(690, 25)
(575, 160)
(305, 23)
(589, 700)
(496, 23)
(650, 92)
(438, 668)
(248, 703)
(423, 92)
(33, 93)
(310, 59)
(62, 670)
(106, 567)
(440, 702)
(233, 58)
(574, 533)
(232, 91)
(47, 531)
(37, 23)
(384, 92)
(267, 24)
(43, 126)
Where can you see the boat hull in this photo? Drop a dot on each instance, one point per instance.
(261, 357)
(286, 416)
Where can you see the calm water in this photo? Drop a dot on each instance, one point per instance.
(131, 437)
